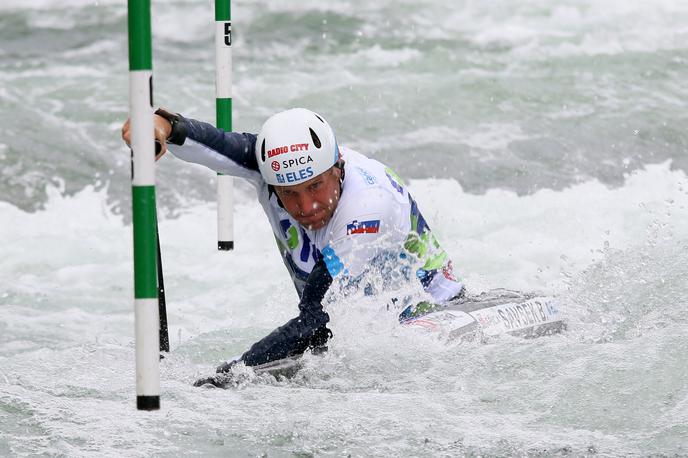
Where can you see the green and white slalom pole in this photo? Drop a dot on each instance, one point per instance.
(223, 117)
(143, 206)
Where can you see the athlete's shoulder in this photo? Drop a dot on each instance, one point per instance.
(361, 170)
(368, 205)
(363, 173)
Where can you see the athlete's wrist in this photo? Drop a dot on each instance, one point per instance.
(178, 131)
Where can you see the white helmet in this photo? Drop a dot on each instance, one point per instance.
(294, 146)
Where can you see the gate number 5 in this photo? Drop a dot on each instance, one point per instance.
(228, 33)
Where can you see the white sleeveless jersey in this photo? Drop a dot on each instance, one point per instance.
(376, 221)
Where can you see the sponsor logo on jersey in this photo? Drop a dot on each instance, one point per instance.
(275, 166)
(367, 176)
(363, 227)
(285, 149)
(294, 177)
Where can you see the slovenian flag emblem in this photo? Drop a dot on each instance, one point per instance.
(363, 227)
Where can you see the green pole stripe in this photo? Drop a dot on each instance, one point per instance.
(223, 114)
(145, 243)
(223, 10)
(140, 53)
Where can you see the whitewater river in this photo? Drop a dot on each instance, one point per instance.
(544, 140)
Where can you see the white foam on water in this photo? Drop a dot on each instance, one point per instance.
(379, 57)
(67, 354)
(39, 5)
(530, 242)
(485, 141)
(613, 384)
(540, 29)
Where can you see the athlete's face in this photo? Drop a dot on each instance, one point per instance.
(313, 202)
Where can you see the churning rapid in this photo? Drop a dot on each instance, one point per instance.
(544, 142)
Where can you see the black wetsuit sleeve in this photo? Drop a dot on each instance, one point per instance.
(308, 330)
(238, 147)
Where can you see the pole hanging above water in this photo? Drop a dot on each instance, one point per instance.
(146, 313)
(223, 116)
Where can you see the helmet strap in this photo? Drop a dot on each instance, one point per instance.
(340, 165)
(271, 191)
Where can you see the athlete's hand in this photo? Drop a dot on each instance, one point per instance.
(228, 365)
(224, 377)
(161, 129)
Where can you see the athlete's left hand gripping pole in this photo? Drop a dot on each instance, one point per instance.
(143, 206)
(223, 112)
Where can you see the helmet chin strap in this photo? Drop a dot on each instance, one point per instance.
(340, 165)
(271, 191)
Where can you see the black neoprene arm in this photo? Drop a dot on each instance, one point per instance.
(308, 330)
(239, 147)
